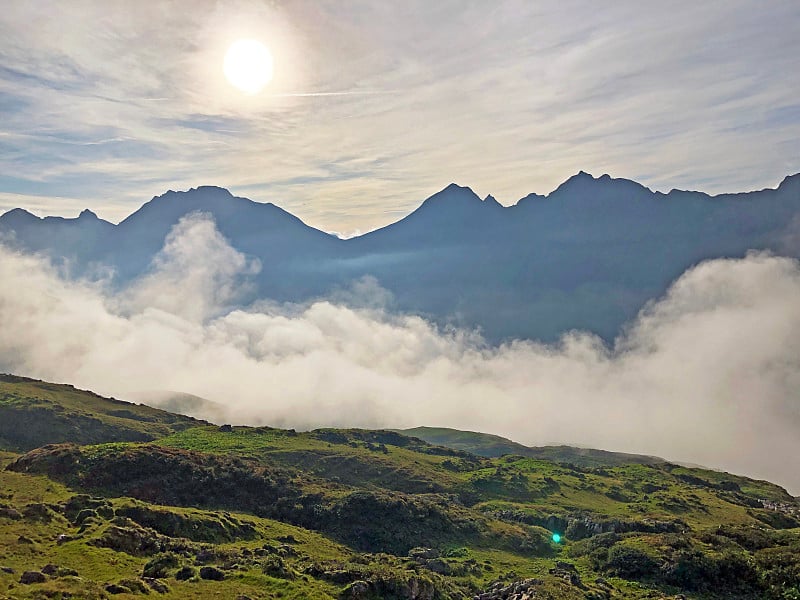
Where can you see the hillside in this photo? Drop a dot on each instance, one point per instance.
(218, 511)
(485, 444)
(34, 413)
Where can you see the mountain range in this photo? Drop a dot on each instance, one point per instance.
(587, 256)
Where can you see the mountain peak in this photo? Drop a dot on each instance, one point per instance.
(790, 180)
(491, 201)
(88, 214)
(585, 183)
(453, 195)
(18, 216)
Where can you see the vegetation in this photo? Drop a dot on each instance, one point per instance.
(191, 510)
(492, 446)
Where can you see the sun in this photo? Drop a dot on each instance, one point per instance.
(248, 66)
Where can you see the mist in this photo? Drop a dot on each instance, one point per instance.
(709, 373)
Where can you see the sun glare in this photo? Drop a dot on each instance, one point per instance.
(248, 66)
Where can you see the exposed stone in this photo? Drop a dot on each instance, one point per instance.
(212, 573)
(437, 565)
(38, 512)
(137, 586)
(84, 514)
(6, 512)
(519, 590)
(358, 590)
(156, 585)
(185, 573)
(29, 577)
(423, 553)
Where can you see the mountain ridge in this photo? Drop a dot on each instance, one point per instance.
(587, 256)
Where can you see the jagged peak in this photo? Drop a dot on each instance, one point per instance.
(790, 180)
(585, 180)
(491, 201)
(88, 214)
(453, 192)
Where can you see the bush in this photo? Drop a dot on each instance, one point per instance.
(185, 573)
(630, 563)
(159, 565)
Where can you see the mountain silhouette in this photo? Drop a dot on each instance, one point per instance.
(587, 256)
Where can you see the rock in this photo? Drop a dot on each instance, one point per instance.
(156, 585)
(159, 565)
(84, 514)
(38, 512)
(137, 586)
(63, 539)
(115, 588)
(7, 570)
(565, 566)
(423, 553)
(66, 572)
(211, 573)
(136, 541)
(225, 428)
(24, 540)
(274, 566)
(358, 590)
(519, 590)
(185, 573)
(437, 565)
(6, 512)
(49, 569)
(29, 577)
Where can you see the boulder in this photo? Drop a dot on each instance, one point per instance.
(211, 573)
(29, 577)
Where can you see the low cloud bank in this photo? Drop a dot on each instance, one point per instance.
(707, 374)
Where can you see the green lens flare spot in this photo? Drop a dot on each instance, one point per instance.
(556, 538)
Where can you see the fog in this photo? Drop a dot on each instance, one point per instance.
(707, 374)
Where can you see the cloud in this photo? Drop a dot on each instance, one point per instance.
(707, 374)
(113, 104)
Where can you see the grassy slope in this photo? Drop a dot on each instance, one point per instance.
(485, 444)
(346, 495)
(34, 413)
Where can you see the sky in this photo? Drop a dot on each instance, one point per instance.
(374, 106)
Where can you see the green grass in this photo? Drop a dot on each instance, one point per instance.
(493, 446)
(300, 515)
(34, 413)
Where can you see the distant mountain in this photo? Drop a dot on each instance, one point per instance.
(586, 256)
(492, 446)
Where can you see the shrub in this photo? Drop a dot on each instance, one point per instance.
(630, 563)
(159, 565)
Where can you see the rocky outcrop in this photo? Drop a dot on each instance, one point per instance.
(519, 590)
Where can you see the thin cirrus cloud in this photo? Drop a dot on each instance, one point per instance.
(707, 374)
(508, 97)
